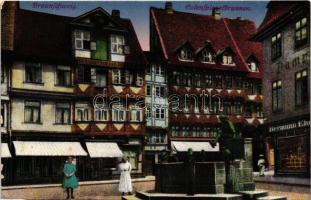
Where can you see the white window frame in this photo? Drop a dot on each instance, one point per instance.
(134, 111)
(116, 76)
(139, 79)
(84, 35)
(85, 110)
(159, 71)
(118, 113)
(101, 113)
(159, 113)
(158, 91)
(119, 41)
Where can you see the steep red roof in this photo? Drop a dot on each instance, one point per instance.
(174, 29)
(276, 9)
(47, 36)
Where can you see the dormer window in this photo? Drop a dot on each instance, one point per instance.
(252, 63)
(207, 56)
(82, 40)
(253, 66)
(117, 44)
(227, 59)
(185, 54)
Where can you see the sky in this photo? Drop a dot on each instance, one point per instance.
(138, 11)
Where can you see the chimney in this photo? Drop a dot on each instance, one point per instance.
(115, 14)
(216, 13)
(169, 7)
(8, 13)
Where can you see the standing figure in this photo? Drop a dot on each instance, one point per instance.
(261, 165)
(125, 185)
(190, 166)
(70, 179)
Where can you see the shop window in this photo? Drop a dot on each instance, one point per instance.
(277, 103)
(132, 158)
(301, 88)
(62, 111)
(32, 111)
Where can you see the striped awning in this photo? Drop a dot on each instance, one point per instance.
(38, 148)
(103, 150)
(180, 146)
(5, 152)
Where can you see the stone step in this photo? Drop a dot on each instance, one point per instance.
(171, 196)
(130, 197)
(273, 198)
(253, 195)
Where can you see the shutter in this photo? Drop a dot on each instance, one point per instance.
(93, 75)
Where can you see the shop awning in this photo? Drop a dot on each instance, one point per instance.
(103, 150)
(195, 146)
(5, 152)
(36, 148)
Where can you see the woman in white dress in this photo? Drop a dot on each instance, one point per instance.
(125, 184)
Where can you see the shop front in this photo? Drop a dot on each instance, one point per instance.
(291, 146)
(37, 162)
